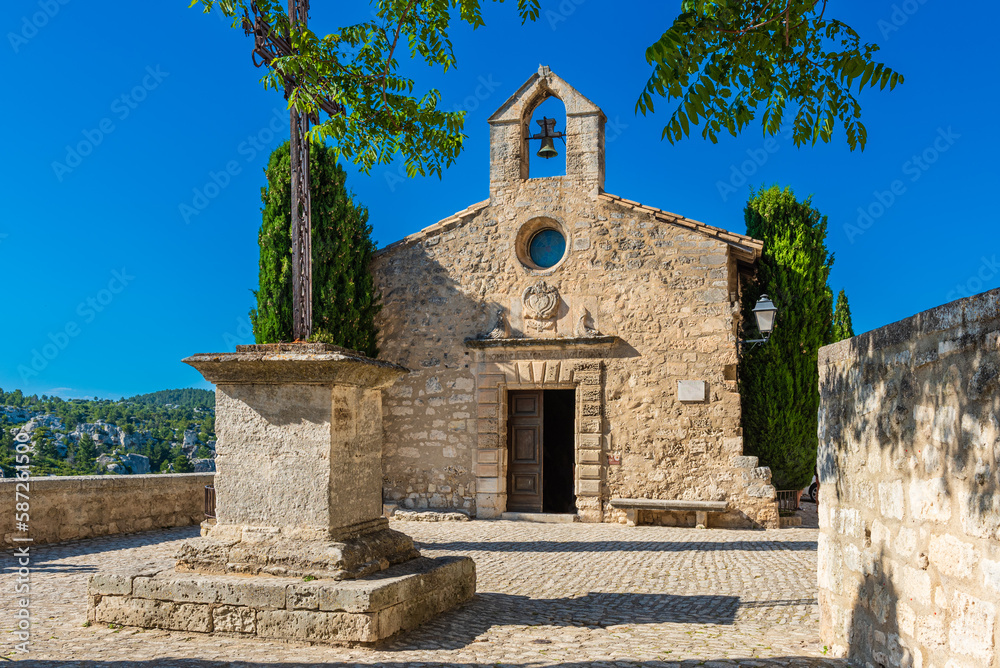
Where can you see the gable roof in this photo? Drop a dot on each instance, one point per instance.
(746, 249)
(541, 85)
(448, 223)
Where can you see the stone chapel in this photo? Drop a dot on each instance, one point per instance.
(567, 347)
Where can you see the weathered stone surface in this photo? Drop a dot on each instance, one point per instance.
(908, 445)
(73, 507)
(742, 462)
(294, 364)
(150, 613)
(357, 556)
(317, 626)
(953, 557)
(972, 628)
(327, 439)
(352, 611)
(890, 496)
(430, 516)
(647, 301)
(112, 583)
(231, 619)
(299, 455)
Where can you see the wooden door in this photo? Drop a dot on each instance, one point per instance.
(524, 451)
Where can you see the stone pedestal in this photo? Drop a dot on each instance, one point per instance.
(298, 495)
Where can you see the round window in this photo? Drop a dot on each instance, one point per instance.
(547, 247)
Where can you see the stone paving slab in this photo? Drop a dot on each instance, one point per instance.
(569, 595)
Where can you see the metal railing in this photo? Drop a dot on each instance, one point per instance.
(210, 502)
(788, 500)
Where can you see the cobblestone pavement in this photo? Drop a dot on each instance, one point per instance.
(568, 595)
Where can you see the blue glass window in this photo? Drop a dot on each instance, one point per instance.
(546, 248)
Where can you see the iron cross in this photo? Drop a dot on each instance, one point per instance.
(270, 45)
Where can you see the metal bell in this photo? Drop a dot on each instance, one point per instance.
(547, 150)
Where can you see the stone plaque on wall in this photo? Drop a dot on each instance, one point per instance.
(692, 391)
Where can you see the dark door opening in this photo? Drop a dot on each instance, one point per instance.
(557, 452)
(540, 433)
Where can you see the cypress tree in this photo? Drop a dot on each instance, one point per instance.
(86, 454)
(843, 328)
(779, 381)
(345, 301)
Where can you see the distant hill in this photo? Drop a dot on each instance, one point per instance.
(168, 430)
(189, 397)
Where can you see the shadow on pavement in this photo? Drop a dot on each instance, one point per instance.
(623, 546)
(461, 627)
(167, 662)
(43, 557)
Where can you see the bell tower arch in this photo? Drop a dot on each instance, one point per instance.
(510, 133)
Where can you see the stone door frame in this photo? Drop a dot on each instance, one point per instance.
(494, 379)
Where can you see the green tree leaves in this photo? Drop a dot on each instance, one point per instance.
(779, 381)
(725, 61)
(345, 300)
(842, 327)
(357, 67)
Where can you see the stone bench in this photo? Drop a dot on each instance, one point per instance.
(701, 508)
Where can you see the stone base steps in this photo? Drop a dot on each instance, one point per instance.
(364, 611)
(793, 521)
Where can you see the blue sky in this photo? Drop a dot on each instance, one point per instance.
(110, 286)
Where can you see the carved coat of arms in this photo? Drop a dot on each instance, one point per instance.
(541, 304)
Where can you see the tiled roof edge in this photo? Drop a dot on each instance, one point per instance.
(748, 245)
(444, 225)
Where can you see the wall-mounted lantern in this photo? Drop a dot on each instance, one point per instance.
(764, 312)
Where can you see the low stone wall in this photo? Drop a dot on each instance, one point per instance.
(909, 549)
(69, 507)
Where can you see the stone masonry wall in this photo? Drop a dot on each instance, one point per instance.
(667, 292)
(69, 507)
(909, 550)
(640, 301)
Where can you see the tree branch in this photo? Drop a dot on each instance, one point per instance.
(392, 50)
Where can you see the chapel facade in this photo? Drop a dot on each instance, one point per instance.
(567, 347)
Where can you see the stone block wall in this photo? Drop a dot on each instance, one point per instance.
(668, 294)
(69, 507)
(642, 304)
(909, 550)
